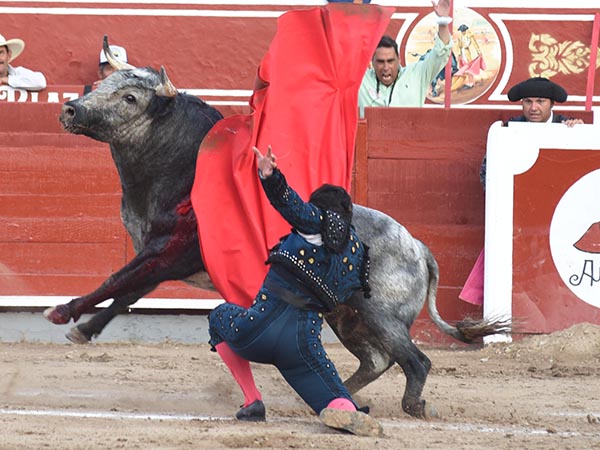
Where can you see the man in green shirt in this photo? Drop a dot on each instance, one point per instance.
(389, 84)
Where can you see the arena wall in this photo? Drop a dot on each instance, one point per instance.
(60, 231)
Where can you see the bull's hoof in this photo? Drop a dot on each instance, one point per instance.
(431, 413)
(421, 410)
(414, 408)
(76, 336)
(58, 315)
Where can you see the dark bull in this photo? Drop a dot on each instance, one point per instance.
(154, 135)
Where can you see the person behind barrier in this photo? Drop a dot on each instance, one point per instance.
(104, 67)
(319, 265)
(17, 77)
(386, 83)
(537, 96)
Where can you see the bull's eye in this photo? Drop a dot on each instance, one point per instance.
(130, 99)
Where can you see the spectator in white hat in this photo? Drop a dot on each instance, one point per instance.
(104, 68)
(17, 77)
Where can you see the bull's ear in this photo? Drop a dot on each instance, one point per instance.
(114, 62)
(165, 88)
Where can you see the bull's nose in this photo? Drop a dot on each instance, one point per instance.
(67, 114)
(67, 110)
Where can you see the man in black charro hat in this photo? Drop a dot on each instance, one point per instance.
(537, 96)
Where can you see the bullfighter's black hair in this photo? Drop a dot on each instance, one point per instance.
(333, 198)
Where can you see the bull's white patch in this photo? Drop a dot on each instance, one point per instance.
(575, 238)
(142, 73)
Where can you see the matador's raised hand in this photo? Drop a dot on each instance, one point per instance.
(266, 163)
(441, 7)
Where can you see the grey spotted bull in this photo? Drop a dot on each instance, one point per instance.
(154, 134)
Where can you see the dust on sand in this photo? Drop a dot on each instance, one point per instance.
(540, 392)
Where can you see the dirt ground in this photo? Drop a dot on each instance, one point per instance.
(541, 392)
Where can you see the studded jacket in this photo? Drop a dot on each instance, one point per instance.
(331, 276)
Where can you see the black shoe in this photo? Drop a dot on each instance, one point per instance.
(254, 412)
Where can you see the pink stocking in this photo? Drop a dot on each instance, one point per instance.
(342, 403)
(241, 371)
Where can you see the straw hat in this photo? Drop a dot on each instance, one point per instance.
(15, 46)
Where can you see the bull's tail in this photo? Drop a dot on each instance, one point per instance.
(467, 330)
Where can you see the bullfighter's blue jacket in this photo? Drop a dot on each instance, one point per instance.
(306, 278)
(330, 277)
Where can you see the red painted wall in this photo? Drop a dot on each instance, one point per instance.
(421, 166)
(60, 231)
(61, 234)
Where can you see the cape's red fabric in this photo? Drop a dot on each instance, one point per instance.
(306, 109)
(473, 67)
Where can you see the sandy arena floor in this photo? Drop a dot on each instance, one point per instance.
(542, 392)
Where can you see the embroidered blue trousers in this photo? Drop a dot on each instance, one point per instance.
(274, 332)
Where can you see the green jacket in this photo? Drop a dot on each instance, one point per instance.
(412, 84)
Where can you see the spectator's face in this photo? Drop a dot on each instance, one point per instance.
(105, 70)
(5, 55)
(537, 109)
(386, 65)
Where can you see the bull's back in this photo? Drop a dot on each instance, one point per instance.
(399, 275)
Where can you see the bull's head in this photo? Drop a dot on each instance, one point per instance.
(121, 105)
(164, 89)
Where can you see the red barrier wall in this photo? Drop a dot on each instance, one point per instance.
(61, 234)
(421, 166)
(60, 231)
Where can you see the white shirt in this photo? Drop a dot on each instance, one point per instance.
(22, 78)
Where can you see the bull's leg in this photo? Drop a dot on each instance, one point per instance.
(375, 360)
(377, 347)
(148, 269)
(373, 363)
(416, 366)
(84, 332)
(363, 343)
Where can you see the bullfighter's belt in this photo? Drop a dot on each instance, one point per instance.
(298, 300)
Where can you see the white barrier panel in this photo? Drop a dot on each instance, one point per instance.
(542, 226)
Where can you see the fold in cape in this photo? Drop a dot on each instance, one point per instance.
(305, 107)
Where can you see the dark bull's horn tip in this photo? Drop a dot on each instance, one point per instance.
(166, 88)
(114, 62)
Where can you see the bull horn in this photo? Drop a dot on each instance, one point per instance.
(165, 88)
(114, 62)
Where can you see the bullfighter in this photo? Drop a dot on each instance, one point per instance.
(319, 265)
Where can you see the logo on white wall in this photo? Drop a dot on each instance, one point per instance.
(575, 238)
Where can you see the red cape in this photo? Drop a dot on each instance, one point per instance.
(473, 67)
(306, 109)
